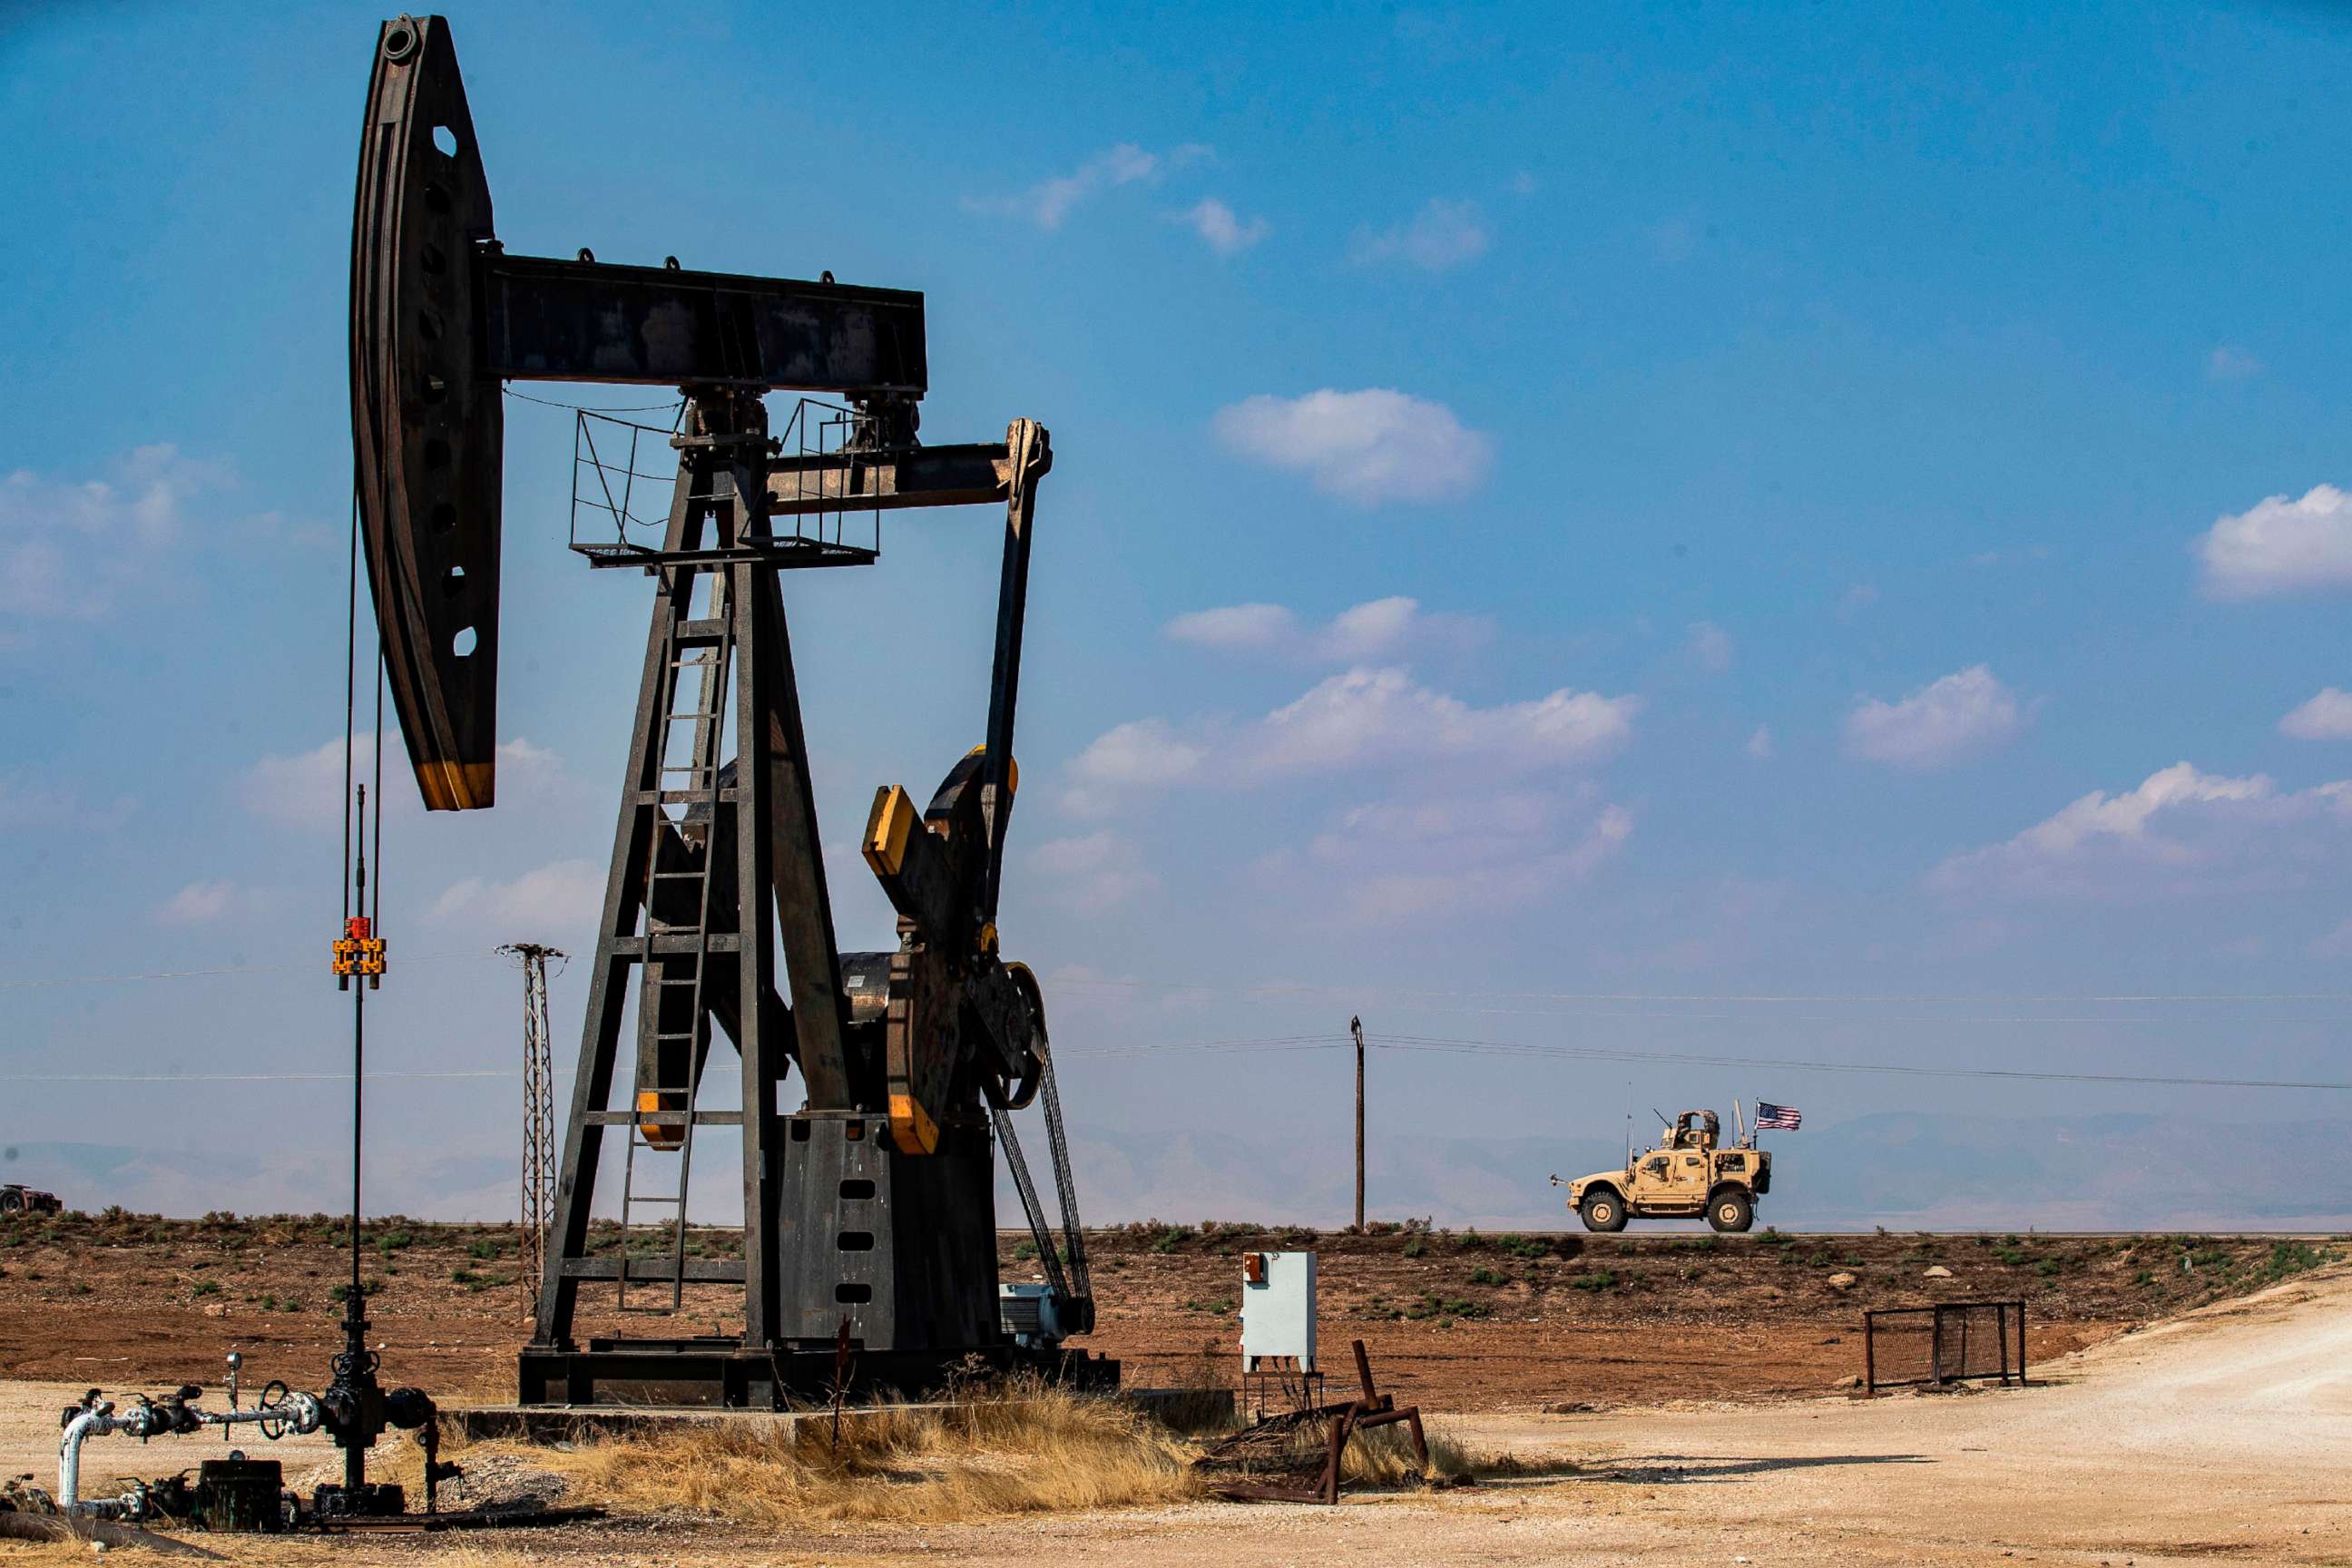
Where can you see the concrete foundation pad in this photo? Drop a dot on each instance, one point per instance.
(604, 1423)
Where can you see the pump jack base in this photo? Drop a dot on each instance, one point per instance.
(716, 1373)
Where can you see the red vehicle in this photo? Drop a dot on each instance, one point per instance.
(17, 1198)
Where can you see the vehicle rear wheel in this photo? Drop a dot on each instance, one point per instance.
(1730, 1210)
(1602, 1212)
(11, 1201)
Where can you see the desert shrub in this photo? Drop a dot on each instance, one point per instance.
(2289, 1257)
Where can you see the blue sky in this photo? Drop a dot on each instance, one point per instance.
(1557, 512)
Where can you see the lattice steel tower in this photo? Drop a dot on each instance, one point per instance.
(538, 1115)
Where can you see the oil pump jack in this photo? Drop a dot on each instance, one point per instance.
(868, 1245)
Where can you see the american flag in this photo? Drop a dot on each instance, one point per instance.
(1780, 1118)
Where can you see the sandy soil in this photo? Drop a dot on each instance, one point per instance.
(2226, 1433)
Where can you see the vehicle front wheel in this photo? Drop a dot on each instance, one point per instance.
(1602, 1212)
(1730, 1211)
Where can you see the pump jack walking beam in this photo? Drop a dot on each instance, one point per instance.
(441, 316)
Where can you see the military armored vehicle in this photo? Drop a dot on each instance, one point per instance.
(17, 1198)
(1690, 1174)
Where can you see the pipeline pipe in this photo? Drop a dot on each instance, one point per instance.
(297, 1413)
(94, 1417)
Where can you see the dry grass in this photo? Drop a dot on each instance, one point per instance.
(1381, 1458)
(1024, 1449)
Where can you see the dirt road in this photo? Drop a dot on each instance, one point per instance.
(2224, 1434)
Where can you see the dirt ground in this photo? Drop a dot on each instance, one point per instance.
(2225, 1435)
(1457, 1322)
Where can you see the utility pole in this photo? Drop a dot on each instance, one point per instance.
(1356, 1028)
(538, 1117)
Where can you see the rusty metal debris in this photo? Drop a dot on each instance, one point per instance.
(1271, 1445)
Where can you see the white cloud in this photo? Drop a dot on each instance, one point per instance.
(1963, 715)
(1219, 229)
(563, 895)
(2327, 717)
(1049, 202)
(1441, 234)
(1361, 718)
(1392, 861)
(1371, 447)
(1369, 630)
(2179, 830)
(1760, 745)
(2230, 363)
(1709, 648)
(198, 903)
(29, 805)
(1236, 627)
(1092, 872)
(1143, 754)
(1365, 715)
(1372, 628)
(306, 789)
(2280, 546)
(66, 549)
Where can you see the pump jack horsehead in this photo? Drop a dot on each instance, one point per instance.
(870, 1211)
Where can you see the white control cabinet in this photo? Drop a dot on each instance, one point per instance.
(1277, 1312)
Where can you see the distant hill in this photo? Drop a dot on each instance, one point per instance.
(1901, 1171)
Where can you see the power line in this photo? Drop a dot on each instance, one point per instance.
(246, 1076)
(1309, 988)
(225, 969)
(1610, 1054)
(1438, 1045)
(1303, 988)
(1270, 1043)
(1283, 1043)
(593, 407)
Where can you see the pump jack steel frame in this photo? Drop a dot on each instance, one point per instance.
(870, 1211)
